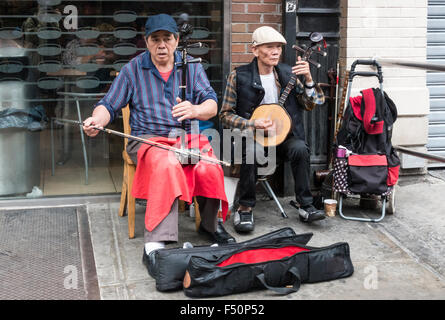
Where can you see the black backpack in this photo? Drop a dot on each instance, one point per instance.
(366, 131)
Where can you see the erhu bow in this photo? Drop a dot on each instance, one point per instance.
(187, 153)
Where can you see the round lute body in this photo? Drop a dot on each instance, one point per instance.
(282, 120)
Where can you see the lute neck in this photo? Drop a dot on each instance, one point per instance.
(287, 90)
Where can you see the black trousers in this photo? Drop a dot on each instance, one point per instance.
(292, 149)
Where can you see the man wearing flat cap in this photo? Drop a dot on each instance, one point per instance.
(149, 83)
(262, 82)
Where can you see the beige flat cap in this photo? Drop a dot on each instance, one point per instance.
(266, 34)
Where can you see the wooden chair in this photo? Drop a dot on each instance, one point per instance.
(128, 202)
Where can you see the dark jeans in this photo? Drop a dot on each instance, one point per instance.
(292, 149)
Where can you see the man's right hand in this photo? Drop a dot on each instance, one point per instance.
(88, 125)
(99, 118)
(267, 125)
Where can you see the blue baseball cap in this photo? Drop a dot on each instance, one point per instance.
(160, 22)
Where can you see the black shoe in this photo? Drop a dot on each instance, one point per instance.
(243, 221)
(220, 236)
(150, 263)
(309, 213)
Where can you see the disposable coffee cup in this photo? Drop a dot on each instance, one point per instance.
(330, 207)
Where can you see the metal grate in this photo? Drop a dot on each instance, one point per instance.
(436, 80)
(46, 254)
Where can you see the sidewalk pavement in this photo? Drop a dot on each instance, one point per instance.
(401, 257)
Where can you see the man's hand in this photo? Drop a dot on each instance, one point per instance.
(99, 118)
(267, 125)
(302, 68)
(89, 123)
(184, 110)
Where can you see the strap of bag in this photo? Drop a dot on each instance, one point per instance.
(283, 290)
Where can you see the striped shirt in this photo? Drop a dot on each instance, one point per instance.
(151, 98)
(228, 114)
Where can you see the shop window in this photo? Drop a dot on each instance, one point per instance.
(56, 60)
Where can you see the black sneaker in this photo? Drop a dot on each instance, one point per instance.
(309, 213)
(243, 221)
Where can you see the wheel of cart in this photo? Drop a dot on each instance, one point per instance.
(391, 203)
(368, 200)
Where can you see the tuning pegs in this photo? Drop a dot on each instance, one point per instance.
(314, 63)
(194, 60)
(321, 52)
(190, 46)
(299, 48)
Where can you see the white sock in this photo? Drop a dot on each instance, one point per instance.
(150, 246)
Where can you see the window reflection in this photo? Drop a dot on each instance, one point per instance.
(49, 71)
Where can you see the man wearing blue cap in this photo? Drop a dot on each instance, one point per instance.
(150, 84)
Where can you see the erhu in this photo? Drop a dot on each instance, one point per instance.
(185, 31)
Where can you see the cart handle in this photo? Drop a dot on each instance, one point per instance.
(377, 74)
(366, 62)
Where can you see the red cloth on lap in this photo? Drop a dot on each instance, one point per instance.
(160, 178)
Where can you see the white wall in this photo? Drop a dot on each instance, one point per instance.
(392, 29)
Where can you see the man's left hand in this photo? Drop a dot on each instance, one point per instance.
(302, 68)
(184, 110)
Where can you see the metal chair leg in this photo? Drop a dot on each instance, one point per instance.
(340, 210)
(53, 161)
(85, 157)
(269, 190)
